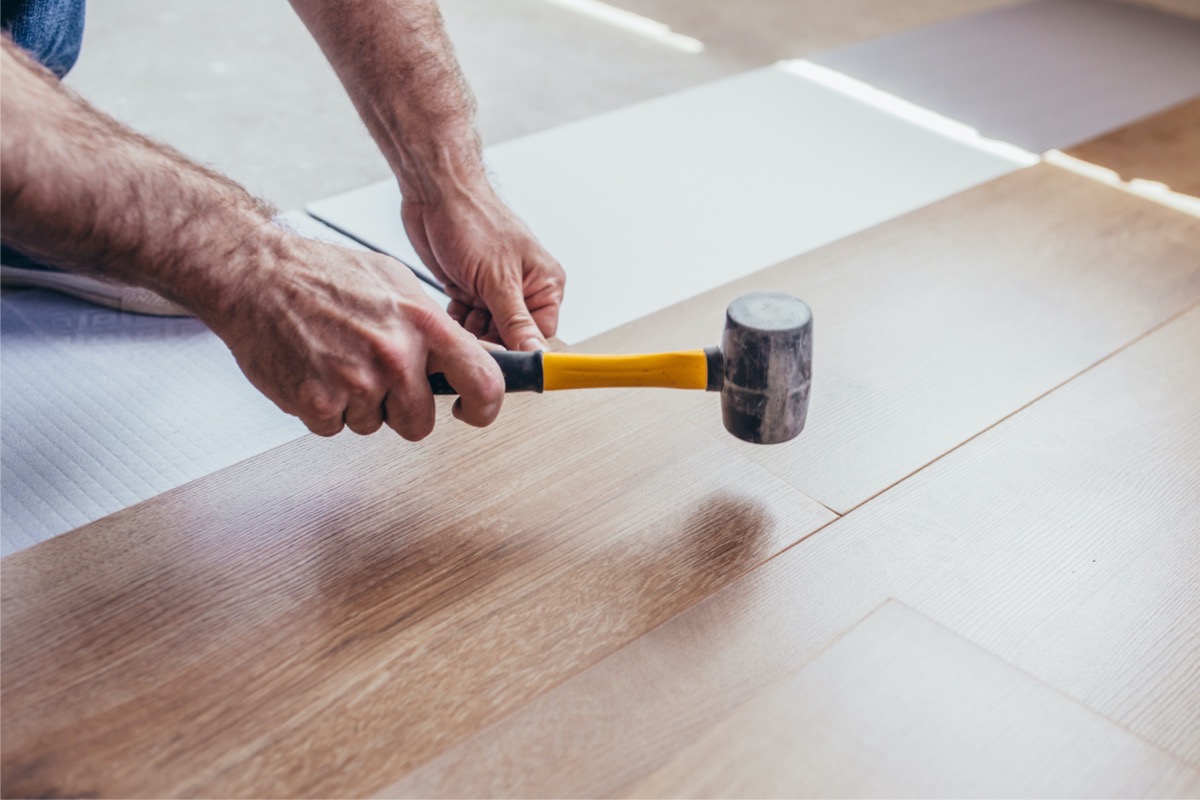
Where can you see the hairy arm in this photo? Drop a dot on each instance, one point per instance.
(396, 62)
(334, 336)
(82, 191)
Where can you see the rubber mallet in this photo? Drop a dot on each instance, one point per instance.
(763, 368)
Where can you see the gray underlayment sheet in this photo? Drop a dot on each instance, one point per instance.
(1041, 75)
(100, 409)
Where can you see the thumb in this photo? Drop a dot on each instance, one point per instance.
(513, 320)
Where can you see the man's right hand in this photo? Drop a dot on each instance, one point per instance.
(340, 338)
(348, 338)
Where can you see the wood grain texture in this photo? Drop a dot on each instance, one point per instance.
(934, 326)
(1063, 540)
(323, 618)
(1163, 148)
(902, 707)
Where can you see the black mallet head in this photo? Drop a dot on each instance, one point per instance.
(767, 353)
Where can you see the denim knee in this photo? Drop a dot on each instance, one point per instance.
(51, 30)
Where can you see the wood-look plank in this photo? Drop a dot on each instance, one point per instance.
(1163, 148)
(902, 707)
(327, 616)
(934, 326)
(1063, 540)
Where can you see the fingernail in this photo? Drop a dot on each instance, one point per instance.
(531, 344)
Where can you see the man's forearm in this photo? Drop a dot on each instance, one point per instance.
(396, 62)
(339, 337)
(82, 191)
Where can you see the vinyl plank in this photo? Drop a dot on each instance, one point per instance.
(902, 707)
(325, 617)
(934, 326)
(1063, 541)
(1164, 148)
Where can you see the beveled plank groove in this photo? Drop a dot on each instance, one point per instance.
(902, 707)
(932, 327)
(1063, 541)
(1163, 148)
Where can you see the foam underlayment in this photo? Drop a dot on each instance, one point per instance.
(100, 409)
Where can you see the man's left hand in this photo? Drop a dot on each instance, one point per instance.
(503, 285)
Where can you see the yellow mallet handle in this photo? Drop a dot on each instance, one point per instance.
(688, 369)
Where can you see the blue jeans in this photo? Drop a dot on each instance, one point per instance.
(51, 30)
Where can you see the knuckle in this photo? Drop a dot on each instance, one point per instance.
(413, 429)
(426, 316)
(320, 407)
(409, 413)
(323, 427)
(490, 380)
(419, 431)
(313, 401)
(516, 318)
(358, 383)
(365, 427)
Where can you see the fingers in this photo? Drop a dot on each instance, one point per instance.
(348, 340)
(364, 415)
(544, 306)
(474, 374)
(319, 410)
(512, 319)
(458, 311)
(409, 409)
(354, 399)
(477, 322)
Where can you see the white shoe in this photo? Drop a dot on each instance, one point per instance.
(100, 291)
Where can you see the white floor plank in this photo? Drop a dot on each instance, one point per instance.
(660, 201)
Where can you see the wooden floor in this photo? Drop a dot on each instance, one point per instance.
(1160, 149)
(974, 574)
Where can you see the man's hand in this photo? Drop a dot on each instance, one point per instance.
(504, 286)
(334, 336)
(341, 337)
(397, 64)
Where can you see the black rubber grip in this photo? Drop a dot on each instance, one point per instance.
(522, 372)
(716, 369)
